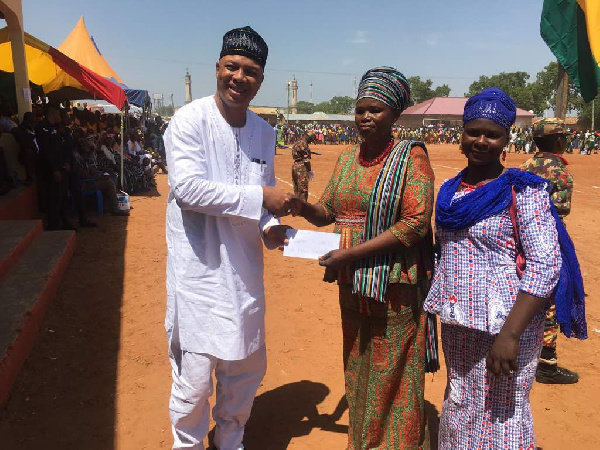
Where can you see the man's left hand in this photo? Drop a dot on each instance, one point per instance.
(276, 235)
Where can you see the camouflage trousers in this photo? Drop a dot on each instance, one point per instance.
(300, 178)
(550, 335)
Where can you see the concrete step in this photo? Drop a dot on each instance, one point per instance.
(19, 204)
(15, 238)
(26, 291)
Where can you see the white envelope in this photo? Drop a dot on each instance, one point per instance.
(310, 244)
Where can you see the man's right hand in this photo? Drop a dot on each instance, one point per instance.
(275, 201)
(57, 176)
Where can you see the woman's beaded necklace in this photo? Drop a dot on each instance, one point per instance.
(378, 158)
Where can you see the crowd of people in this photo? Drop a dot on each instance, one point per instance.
(432, 134)
(506, 274)
(69, 151)
(520, 138)
(584, 142)
(316, 134)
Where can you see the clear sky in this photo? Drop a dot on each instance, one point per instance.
(150, 43)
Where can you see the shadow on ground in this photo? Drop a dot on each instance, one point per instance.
(287, 412)
(433, 421)
(64, 397)
(290, 411)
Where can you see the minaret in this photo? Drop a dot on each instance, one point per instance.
(188, 87)
(294, 102)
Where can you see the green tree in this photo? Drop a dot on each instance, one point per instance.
(342, 105)
(323, 107)
(305, 107)
(585, 114)
(514, 84)
(422, 90)
(545, 89)
(337, 105)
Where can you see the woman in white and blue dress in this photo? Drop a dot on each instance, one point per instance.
(492, 318)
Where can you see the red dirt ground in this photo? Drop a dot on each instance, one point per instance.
(99, 377)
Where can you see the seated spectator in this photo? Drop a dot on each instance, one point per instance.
(85, 163)
(144, 158)
(134, 148)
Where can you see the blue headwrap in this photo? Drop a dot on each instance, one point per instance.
(493, 104)
(387, 85)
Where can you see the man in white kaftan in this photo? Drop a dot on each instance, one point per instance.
(220, 159)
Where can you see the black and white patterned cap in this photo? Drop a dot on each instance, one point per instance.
(246, 42)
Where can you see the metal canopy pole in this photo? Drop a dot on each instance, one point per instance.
(122, 147)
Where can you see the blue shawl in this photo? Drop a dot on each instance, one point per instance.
(496, 196)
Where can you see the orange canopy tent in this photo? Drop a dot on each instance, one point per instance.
(82, 48)
(56, 72)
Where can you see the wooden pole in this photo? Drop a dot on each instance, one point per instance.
(562, 91)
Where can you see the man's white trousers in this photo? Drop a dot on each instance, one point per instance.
(237, 382)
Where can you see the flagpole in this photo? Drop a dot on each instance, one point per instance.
(562, 90)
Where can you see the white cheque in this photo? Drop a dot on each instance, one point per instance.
(310, 244)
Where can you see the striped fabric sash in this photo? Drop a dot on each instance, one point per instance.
(371, 275)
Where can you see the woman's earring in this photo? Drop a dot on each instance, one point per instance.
(504, 155)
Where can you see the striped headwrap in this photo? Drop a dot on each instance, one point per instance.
(387, 85)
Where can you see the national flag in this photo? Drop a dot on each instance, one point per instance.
(571, 28)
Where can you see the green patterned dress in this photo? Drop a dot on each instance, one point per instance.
(384, 343)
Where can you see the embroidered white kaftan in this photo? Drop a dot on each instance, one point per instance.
(215, 219)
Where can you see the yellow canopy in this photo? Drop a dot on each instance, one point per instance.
(80, 47)
(59, 75)
(40, 65)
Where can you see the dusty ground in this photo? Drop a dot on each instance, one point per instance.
(99, 377)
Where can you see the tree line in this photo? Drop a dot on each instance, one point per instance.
(537, 95)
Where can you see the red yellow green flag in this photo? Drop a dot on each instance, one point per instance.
(571, 28)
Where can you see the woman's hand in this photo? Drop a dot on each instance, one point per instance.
(296, 205)
(502, 359)
(335, 259)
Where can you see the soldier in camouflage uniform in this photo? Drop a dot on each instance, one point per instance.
(301, 169)
(551, 140)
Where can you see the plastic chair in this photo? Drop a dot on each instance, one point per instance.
(95, 191)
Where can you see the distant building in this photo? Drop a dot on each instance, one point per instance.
(449, 111)
(269, 114)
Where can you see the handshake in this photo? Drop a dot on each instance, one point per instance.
(281, 204)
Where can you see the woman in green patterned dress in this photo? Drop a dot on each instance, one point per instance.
(380, 198)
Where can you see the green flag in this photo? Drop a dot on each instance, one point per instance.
(565, 30)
